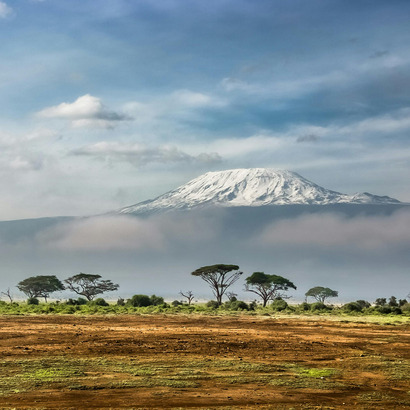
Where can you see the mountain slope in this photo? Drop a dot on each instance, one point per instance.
(250, 188)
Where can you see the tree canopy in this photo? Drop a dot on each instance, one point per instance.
(321, 294)
(89, 285)
(219, 277)
(40, 286)
(267, 287)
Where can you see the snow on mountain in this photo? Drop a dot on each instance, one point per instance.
(250, 188)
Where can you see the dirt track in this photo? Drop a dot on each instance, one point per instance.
(201, 361)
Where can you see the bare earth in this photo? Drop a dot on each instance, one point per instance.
(183, 361)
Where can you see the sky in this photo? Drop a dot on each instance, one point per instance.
(107, 103)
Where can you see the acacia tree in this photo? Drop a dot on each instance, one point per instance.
(321, 294)
(8, 294)
(40, 286)
(89, 286)
(219, 278)
(267, 287)
(188, 295)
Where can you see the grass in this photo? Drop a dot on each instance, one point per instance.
(296, 311)
(64, 372)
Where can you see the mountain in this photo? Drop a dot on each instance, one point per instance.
(255, 187)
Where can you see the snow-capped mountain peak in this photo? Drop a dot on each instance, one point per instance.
(250, 187)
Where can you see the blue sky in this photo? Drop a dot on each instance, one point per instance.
(105, 103)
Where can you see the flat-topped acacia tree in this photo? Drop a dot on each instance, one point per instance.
(40, 286)
(219, 278)
(267, 287)
(321, 294)
(89, 286)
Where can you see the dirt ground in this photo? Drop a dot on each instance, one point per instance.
(195, 361)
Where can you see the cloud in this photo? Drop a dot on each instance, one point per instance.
(25, 163)
(195, 99)
(395, 121)
(25, 152)
(140, 154)
(5, 10)
(86, 111)
(332, 231)
(308, 138)
(118, 232)
(379, 54)
(104, 233)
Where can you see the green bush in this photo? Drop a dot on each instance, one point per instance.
(176, 303)
(99, 302)
(385, 310)
(76, 302)
(352, 307)
(156, 300)
(213, 304)
(32, 301)
(120, 302)
(236, 305)
(396, 310)
(364, 304)
(279, 304)
(319, 306)
(406, 308)
(304, 306)
(139, 301)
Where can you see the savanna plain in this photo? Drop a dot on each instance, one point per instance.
(208, 361)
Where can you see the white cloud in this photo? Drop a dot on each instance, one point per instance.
(330, 231)
(104, 233)
(86, 111)
(25, 152)
(140, 154)
(5, 10)
(117, 232)
(389, 123)
(195, 99)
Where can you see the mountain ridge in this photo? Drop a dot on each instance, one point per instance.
(253, 187)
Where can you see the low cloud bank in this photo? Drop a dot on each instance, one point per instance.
(333, 230)
(127, 233)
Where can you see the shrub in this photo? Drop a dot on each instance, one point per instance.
(156, 300)
(213, 304)
(402, 302)
(406, 308)
(396, 310)
(76, 302)
(352, 307)
(120, 302)
(32, 301)
(364, 304)
(279, 304)
(319, 306)
(176, 303)
(384, 309)
(236, 305)
(305, 306)
(99, 302)
(140, 301)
